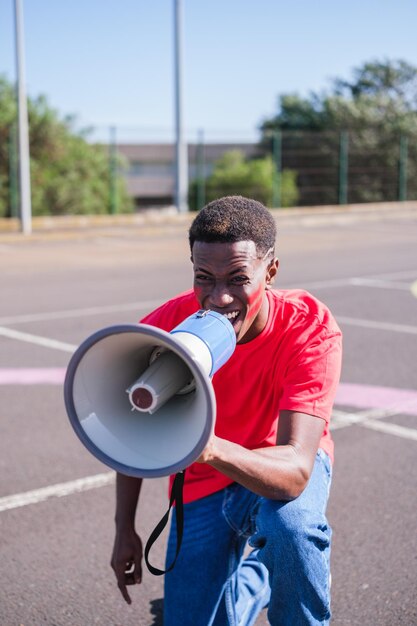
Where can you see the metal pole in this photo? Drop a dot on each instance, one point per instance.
(112, 172)
(23, 126)
(181, 153)
(201, 179)
(402, 169)
(277, 159)
(13, 183)
(343, 167)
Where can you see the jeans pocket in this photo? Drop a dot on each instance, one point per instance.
(325, 461)
(239, 509)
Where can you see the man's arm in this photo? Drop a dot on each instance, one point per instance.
(126, 559)
(279, 472)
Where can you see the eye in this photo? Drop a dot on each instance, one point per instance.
(240, 280)
(202, 278)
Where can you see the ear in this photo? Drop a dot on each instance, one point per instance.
(271, 271)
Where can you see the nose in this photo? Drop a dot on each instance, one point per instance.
(220, 296)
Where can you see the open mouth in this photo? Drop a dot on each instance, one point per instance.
(232, 316)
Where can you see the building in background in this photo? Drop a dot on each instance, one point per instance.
(150, 168)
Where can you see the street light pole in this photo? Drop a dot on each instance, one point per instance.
(23, 126)
(181, 152)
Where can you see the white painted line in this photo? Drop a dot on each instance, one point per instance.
(56, 491)
(35, 339)
(326, 284)
(60, 490)
(392, 429)
(400, 274)
(97, 310)
(383, 281)
(336, 413)
(345, 418)
(379, 284)
(150, 304)
(342, 420)
(372, 419)
(397, 328)
(413, 289)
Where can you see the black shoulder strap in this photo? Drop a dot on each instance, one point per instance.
(177, 498)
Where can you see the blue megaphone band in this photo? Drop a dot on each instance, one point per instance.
(215, 330)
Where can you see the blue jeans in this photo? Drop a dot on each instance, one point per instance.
(215, 584)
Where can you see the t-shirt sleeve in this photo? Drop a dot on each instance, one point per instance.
(313, 373)
(173, 312)
(162, 317)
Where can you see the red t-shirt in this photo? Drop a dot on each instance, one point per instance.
(293, 364)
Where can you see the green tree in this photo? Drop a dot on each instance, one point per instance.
(69, 175)
(377, 107)
(254, 178)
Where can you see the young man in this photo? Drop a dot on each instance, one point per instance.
(264, 477)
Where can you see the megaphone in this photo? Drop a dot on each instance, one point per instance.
(141, 399)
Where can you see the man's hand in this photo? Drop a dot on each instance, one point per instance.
(278, 472)
(209, 451)
(126, 560)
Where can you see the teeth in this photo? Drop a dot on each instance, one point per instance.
(232, 315)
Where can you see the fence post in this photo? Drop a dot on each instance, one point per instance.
(343, 166)
(112, 171)
(201, 178)
(13, 183)
(276, 176)
(402, 169)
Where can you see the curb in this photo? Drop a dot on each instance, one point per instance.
(163, 220)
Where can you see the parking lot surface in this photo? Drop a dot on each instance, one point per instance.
(57, 501)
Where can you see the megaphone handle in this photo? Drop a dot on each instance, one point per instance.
(176, 496)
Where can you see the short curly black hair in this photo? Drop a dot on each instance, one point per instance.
(235, 218)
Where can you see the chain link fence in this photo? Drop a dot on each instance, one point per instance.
(324, 167)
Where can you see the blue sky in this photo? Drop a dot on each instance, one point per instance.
(110, 62)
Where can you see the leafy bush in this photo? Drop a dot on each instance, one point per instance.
(69, 176)
(253, 178)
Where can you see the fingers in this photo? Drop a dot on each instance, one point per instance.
(130, 574)
(133, 572)
(137, 572)
(119, 570)
(124, 592)
(126, 562)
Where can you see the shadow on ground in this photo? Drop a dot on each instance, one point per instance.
(157, 611)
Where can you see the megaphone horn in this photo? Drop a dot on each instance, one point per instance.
(141, 399)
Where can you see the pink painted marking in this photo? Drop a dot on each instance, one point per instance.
(32, 376)
(373, 397)
(348, 394)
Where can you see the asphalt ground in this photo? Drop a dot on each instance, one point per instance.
(57, 501)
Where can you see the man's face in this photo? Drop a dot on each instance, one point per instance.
(230, 278)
